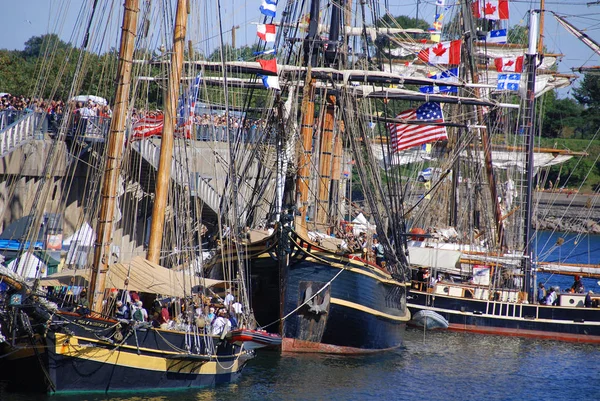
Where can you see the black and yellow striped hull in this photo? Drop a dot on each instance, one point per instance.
(85, 355)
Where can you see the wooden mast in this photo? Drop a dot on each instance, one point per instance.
(332, 56)
(114, 150)
(325, 159)
(163, 177)
(308, 117)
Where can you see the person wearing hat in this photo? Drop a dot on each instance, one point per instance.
(221, 324)
(577, 286)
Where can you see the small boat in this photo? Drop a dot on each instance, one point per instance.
(428, 320)
(253, 339)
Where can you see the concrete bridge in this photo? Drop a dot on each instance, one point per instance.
(38, 170)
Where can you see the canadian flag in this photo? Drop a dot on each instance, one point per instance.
(266, 32)
(442, 53)
(269, 65)
(509, 64)
(491, 9)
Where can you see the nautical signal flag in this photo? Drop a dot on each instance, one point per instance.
(269, 8)
(509, 82)
(509, 64)
(442, 53)
(498, 36)
(450, 75)
(404, 136)
(491, 9)
(266, 32)
(269, 65)
(271, 82)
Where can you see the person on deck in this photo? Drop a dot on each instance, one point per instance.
(83, 308)
(378, 250)
(140, 314)
(588, 299)
(541, 293)
(577, 286)
(211, 315)
(551, 297)
(122, 311)
(221, 324)
(229, 298)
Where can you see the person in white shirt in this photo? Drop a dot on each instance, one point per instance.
(229, 298)
(221, 324)
(237, 308)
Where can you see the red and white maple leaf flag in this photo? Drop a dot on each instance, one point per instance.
(269, 65)
(266, 32)
(442, 53)
(491, 9)
(509, 64)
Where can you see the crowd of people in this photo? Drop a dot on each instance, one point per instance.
(216, 317)
(83, 113)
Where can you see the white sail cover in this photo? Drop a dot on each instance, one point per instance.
(433, 257)
(505, 159)
(500, 159)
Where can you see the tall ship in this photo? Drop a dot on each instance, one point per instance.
(472, 232)
(328, 266)
(70, 331)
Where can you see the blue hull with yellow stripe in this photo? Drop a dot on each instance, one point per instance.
(82, 353)
(336, 303)
(321, 300)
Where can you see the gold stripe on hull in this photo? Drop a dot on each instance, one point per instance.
(362, 308)
(68, 346)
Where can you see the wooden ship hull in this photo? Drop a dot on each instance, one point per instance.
(79, 353)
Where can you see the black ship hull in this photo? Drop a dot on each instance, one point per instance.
(564, 323)
(357, 306)
(87, 354)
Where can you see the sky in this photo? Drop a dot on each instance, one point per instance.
(27, 18)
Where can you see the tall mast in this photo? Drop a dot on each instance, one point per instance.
(163, 177)
(325, 160)
(485, 140)
(308, 115)
(326, 148)
(530, 129)
(114, 151)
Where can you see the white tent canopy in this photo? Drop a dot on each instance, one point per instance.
(96, 99)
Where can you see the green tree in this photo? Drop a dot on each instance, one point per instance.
(562, 117)
(588, 95)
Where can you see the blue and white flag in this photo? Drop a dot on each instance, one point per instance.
(450, 75)
(509, 82)
(270, 82)
(499, 36)
(269, 8)
(269, 51)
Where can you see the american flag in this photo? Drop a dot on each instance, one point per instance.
(404, 136)
(187, 107)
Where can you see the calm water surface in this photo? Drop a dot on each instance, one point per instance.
(432, 366)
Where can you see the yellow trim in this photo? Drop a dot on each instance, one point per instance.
(351, 269)
(371, 311)
(68, 346)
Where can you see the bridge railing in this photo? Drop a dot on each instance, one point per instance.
(17, 128)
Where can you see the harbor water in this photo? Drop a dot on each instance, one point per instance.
(431, 366)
